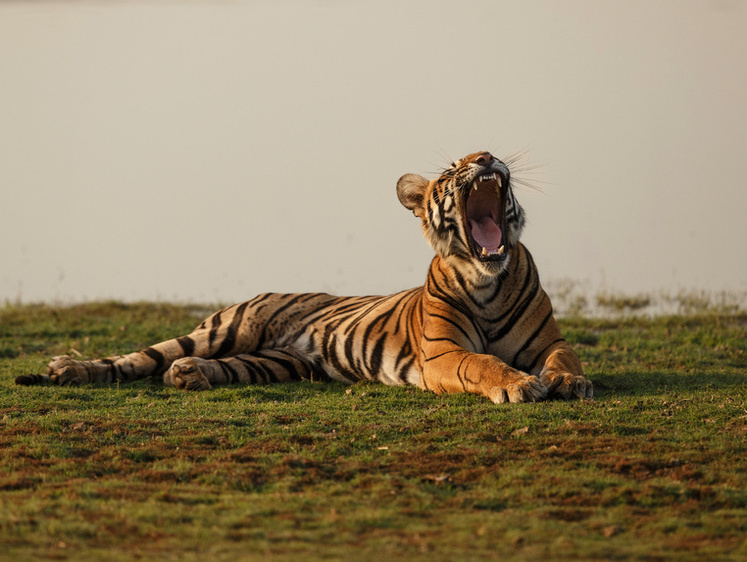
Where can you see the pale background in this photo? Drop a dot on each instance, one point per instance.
(209, 151)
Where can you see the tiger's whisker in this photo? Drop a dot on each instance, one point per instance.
(525, 183)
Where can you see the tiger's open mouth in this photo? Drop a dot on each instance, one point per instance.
(485, 217)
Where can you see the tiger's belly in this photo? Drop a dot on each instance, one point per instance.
(381, 357)
(349, 339)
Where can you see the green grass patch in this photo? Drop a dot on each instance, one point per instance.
(653, 468)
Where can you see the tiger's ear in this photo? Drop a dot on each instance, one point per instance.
(411, 192)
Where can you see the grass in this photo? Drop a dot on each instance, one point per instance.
(654, 468)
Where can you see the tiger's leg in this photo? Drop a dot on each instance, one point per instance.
(64, 370)
(218, 335)
(457, 370)
(237, 329)
(563, 376)
(260, 367)
(451, 364)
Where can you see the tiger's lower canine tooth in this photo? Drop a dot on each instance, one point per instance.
(484, 252)
(501, 250)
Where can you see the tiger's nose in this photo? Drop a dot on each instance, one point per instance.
(484, 159)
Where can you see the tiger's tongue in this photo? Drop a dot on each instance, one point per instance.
(486, 233)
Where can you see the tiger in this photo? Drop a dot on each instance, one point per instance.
(480, 324)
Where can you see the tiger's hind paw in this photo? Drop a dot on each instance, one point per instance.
(63, 370)
(186, 374)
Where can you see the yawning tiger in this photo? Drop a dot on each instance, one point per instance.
(481, 323)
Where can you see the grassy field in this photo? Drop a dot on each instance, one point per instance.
(654, 468)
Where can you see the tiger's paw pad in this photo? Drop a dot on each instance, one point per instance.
(567, 385)
(63, 370)
(186, 374)
(527, 389)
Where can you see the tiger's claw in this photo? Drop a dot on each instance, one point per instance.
(528, 389)
(567, 385)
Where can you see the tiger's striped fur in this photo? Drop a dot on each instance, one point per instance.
(480, 324)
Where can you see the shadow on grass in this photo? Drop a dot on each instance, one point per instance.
(658, 383)
(289, 391)
(606, 386)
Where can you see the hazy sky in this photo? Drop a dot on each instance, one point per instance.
(204, 151)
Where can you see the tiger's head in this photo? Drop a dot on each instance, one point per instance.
(469, 213)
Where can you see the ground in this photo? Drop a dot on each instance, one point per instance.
(653, 468)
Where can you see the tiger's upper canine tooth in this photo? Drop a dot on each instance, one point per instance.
(498, 179)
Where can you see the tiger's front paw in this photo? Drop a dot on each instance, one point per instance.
(567, 385)
(185, 373)
(64, 371)
(524, 389)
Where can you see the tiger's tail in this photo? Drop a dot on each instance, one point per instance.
(32, 380)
